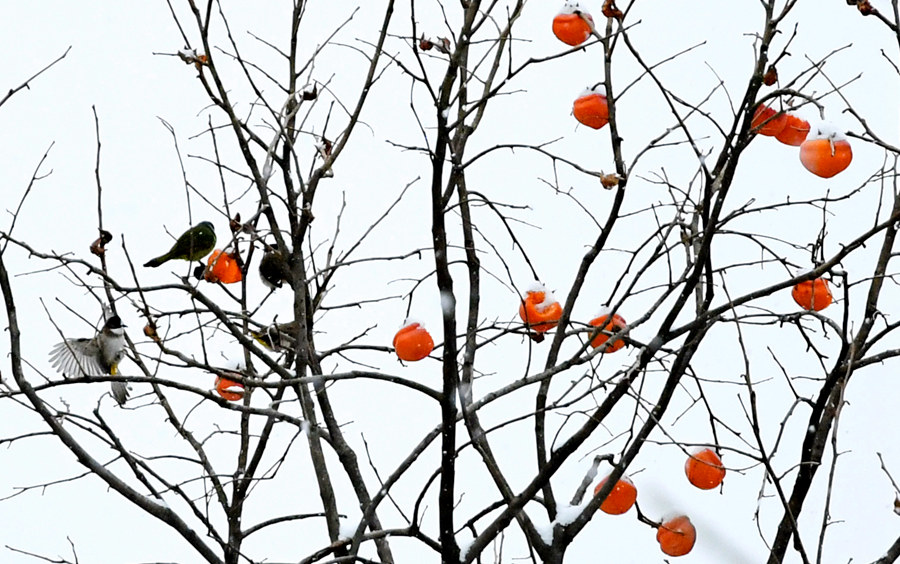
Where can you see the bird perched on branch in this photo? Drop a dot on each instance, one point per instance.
(274, 268)
(97, 356)
(194, 244)
(279, 337)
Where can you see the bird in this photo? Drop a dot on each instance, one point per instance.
(97, 356)
(278, 337)
(274, 268)
(194, 244)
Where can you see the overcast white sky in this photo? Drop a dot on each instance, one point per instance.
(117, 64)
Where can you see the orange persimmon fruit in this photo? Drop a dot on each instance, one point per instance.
(824, 157)
(573, 25)
(704, 469)
(222, 267)
(591, 109)
(618, 323)
(620, 499)
(812, 295)
(540, 309)
(795, 131)
(676, 536)
(826, 151)
(413, 342)
(229, 389)
(768, 121)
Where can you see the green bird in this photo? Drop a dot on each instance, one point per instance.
(194, 244)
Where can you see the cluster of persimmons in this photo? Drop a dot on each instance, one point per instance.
(539, 310)
(676, 534)
(825, 153)
(225, 268)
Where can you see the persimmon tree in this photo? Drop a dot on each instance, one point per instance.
(594, 303)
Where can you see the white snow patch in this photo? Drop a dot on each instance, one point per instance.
(566, 513)
(536, 287)
(546, 532)
(347, 528)
(549, 298)
(599, 89)
(187, 55)
(571, 7)
(464, 546)
(448, 303)
(235, 363)
(696, 450)
(605, 310)
(825, 130)
(412, 321)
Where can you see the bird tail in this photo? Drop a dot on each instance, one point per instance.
(157, 261)
(120, 392)
(264, 339)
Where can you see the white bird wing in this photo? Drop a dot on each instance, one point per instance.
(76, 357)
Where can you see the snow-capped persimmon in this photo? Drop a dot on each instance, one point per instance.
(826, 151)
(795, 131)
(704, 469)
(812, 295)
(767, 121)
(229, 389)
(222, 267)
(412, 342)
(824, 157)
(676, 536)
(573, 25)
(620, 499)
(591, 109)
(539, 309)
(617, 324)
